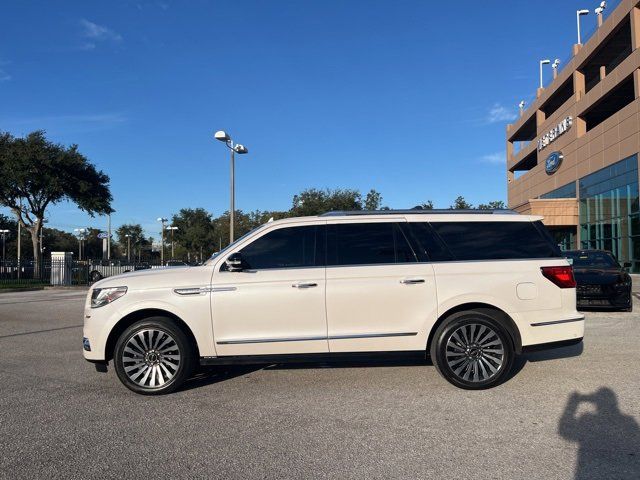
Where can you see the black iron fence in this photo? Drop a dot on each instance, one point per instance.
(67, 272)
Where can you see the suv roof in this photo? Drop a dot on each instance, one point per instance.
(414, 211)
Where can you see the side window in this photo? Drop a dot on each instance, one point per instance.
(367, 244)
(494, 240)
(430, 248)
(286, 248)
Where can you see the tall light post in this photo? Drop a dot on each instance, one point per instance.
(163, 221)
(579, 13)
(521, 106)
(235, 148)
(543, 62)
(81, 234)
(4, 239)
(128, 247)
(172, 228)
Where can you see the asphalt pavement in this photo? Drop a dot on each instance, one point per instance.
(565, 414)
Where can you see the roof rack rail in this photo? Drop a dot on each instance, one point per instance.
(417, 211)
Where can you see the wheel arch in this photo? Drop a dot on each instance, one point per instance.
(503, 317)
(131, 318)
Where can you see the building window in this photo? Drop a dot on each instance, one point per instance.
(566, 191)
(609, 211)
(611, 103)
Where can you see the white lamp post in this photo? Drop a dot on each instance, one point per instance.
(599, 11)
(543, 62)
(579, 13)
(172, 230)
(235, 148)
(163, 221)
(4, 239)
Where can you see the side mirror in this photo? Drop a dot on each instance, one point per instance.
(234, 262)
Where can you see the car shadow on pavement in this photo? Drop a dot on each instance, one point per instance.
(211, 375)
(608, 440)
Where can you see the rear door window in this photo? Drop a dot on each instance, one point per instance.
(494, 240)
(367, 244)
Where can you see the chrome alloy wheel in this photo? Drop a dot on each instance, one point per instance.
(475, 352)
(151, 358)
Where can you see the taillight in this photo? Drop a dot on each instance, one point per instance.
(561, 276)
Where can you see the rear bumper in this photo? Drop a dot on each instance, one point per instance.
(551, 345)
(547, 333)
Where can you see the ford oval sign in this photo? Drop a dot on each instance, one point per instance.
(553, 162)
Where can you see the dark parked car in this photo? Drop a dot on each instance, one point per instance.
(602, 282)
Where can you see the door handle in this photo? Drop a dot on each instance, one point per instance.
(304, 285)
(411, 281)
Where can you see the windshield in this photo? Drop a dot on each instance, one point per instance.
(592, 259)
(231, 245)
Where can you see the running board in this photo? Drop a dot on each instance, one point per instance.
(314, 358)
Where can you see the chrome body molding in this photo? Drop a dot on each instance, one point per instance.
(556, 322)
(202, 290)
(305, 339)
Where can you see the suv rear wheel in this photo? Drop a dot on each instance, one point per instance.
(472, 350)
(153, 356)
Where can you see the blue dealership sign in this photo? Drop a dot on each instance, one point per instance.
(552, 163)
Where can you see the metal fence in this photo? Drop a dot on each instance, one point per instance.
(27, 273)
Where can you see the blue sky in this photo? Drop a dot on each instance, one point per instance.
(408, 97)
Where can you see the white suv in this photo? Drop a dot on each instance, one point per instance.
(469, 289)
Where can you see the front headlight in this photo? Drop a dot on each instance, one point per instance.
(103, 296)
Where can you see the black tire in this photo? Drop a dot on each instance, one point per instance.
(468, 363)
(163, 352)
(95, 276)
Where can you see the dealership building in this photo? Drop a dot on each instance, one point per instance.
(572, 156)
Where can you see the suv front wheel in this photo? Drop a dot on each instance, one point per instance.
(472, 350)
(153, 356)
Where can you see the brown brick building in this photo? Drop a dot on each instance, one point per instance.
(572, 155)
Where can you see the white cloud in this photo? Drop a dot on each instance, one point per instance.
(97, 33)
(4, 76)
(500, 113)
(494, 158)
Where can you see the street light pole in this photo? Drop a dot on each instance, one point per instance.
(81, 236)
(579, 13)
(235, 148)
(4, 239)
(128, 247)
(163, 221)
(543, 62)
(172, 228)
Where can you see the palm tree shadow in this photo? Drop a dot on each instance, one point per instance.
(608, 440)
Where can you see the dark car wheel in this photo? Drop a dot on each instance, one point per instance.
(472, 350)
(95, 276)
(153, 356)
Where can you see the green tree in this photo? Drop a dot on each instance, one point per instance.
(36, 173)
(373, 200)
(428, 205)
(135, 239)
(460, 204)
(195, 231)
(494, 205)
(315, 202)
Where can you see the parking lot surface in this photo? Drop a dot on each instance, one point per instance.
(568, 413)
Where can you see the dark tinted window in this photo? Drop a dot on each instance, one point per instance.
(592, 259)
(286, 248)
(430, 248)
(494, 240)
(367, 244)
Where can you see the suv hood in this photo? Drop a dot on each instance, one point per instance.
(163, 277)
